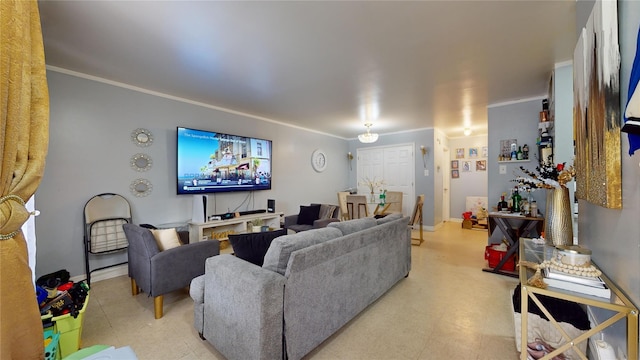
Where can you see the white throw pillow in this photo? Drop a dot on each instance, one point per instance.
(166, 238)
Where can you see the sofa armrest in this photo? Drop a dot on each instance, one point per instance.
(320, 223)
(174, 268)
(290, 220)
(243, 312)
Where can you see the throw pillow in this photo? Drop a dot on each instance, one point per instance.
(326, 211)
(308, 214)
(252, 246)
(166, 238)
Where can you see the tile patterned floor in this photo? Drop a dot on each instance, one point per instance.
(446, 309)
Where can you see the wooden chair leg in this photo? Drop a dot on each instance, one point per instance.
(157, 306)
(135, 290)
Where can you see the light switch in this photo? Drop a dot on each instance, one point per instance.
(426, 172)
(503, 169)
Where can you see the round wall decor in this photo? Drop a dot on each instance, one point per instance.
(142, 137)
(141, 187)
(319, 160)
(141, 162)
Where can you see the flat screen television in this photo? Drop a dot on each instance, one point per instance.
(211, 162)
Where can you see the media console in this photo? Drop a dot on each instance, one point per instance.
(218, 229)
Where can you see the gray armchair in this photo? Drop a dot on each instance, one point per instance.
(159, 272)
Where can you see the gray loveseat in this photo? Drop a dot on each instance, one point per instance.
(310, 285)
(307, 220)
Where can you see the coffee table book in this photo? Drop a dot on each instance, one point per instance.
(586, 280)
(600, 291)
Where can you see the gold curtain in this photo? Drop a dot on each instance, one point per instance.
(23, 147)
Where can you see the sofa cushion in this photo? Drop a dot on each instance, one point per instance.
(308, 214)
(351, 226)
(388, 218)
(251, 247)
(326, 211)
(277, 257)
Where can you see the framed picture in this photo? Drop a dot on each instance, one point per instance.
(460, 153)
(481, 165)
(505, 147)
(466, 166)
(473, 152)
(454, 164)
(455, 174)
(485, 151)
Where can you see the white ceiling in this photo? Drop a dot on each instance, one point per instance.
(318, 64)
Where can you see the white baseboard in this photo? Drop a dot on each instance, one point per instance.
(458, 220)
(104, 274)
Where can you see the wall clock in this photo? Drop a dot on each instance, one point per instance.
(319, 160)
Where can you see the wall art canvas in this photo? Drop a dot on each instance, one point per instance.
(460, 153)
(596, 113)
(467, 166)
(455, 174)
(454, 164)
(481, 165)
(485, 151)
(473, 152)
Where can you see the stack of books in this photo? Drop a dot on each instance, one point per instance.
(594, 286)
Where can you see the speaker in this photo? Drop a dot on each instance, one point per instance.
(271, 205)
(199, 212)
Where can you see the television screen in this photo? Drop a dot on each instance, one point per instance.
(210, 162)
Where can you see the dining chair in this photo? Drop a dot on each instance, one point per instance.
(394, 198)
(342, 203)
(357, 206)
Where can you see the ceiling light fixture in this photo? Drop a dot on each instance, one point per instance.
(368, 137)
(467, 131)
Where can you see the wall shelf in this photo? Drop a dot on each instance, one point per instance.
(513, 161)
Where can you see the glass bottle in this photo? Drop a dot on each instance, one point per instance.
(516, 200)
(502, 205)
(525, 152)
(519, 153)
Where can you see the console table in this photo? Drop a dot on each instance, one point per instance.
(619, 304)
(506, 222)
(197, 231)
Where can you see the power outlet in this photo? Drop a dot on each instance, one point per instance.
(426, 172)
(503, 169)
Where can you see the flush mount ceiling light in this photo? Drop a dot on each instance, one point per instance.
(467, 131)
(368, 137)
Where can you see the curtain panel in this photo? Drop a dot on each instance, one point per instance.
(24, 116)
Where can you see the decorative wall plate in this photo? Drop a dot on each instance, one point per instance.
(141, 187)
(141, 162)
(142, 137)
(319, 160)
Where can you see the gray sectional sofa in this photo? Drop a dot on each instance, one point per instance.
(310, 285)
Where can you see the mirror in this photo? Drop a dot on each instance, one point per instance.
(142, 137)
(141, 187)
(141, 162)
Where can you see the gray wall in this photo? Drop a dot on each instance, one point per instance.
(518, 121)
(613, 235)
(89, 154)
(473, 183)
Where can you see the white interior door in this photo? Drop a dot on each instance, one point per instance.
(393, 164)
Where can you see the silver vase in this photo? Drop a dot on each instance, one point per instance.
(558, 224)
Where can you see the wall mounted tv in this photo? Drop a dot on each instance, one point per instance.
(210, 162)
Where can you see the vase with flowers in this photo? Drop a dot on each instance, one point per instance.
(372, 184)
(558, 225)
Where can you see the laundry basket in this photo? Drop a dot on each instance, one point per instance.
(69, 330)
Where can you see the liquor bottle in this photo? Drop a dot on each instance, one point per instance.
(502, 205)
(514, 153)
(516, 200)
(519, 153)
(525, 152)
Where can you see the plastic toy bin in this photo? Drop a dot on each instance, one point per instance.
(69, 329)
(51, 346)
